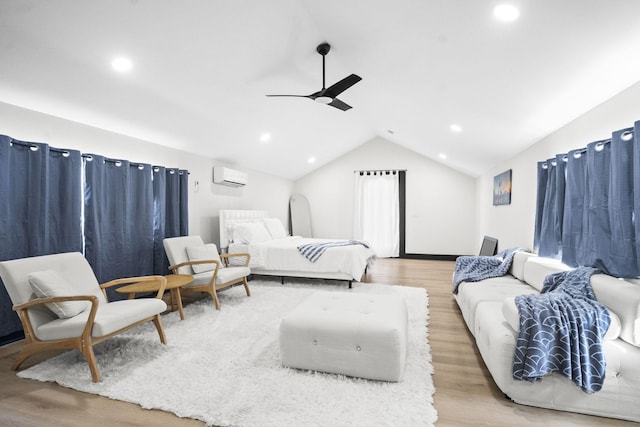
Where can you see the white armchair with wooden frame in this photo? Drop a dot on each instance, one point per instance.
(211, 271)
(62, 306)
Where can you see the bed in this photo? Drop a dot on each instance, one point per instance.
(275, 253)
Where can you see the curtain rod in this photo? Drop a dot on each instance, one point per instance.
(36, 146)
(576, 152)
(380, 170)
(137, 164)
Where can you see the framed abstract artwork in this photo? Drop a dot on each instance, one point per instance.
(502, 188)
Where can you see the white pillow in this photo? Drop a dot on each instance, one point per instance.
(231, 228)
(275, 228)
(48, 283)
(203, 253)
(251, 232)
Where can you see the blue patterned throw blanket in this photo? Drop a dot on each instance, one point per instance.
(313, 251)
(561, 330)
(477, 268)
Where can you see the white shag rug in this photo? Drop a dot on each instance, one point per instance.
(223, 367)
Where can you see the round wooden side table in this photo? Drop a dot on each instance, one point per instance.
(174, 282)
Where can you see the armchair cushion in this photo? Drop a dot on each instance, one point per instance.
(224, 275)
(203, 253)
(48, 283)
(109, 318)
(231, 273)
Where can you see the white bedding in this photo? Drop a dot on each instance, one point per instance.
(283, 255)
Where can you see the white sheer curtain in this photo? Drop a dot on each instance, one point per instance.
(377, 211)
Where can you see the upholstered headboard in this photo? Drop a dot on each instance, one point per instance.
(231, 217)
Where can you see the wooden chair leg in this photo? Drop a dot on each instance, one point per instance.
(216, 301)
(87, 351)
(246, 286)
(158, 322)
(175, 293)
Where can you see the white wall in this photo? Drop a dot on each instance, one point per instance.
(440, 210)
(514, 224)
(262, 192)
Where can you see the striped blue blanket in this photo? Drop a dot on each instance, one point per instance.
(313, 251)
(477, 268)
(561, 330)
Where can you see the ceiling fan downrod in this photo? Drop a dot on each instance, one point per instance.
(323, 49)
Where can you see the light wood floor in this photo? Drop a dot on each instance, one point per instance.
(465, 393)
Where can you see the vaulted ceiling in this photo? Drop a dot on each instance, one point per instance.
(201, 70)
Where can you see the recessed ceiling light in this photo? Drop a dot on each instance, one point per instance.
(265, 137)
(311, 160)
(455, 128)
(121, 64)
(442, 156)
(506, 12)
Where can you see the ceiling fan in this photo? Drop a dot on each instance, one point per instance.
(328, 95)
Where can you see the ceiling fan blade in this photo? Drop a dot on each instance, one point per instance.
(344, 84)
(296, 96)
(339, 104)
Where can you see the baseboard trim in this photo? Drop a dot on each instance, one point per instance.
(12, 337)
(431, 257)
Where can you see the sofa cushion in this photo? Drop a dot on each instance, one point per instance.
(472, 294)
(537, 268)
(622, 298)
(48, 283)
(517, 265)
(512, 317)
(203, 253)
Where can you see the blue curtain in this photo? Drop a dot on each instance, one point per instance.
(119, 238)
(598, 207)
(636, 188)
(550, 241)
(171, 216)
(596, 226)
(624, 252)
(40, 213)
(574, 210)
(543, 177)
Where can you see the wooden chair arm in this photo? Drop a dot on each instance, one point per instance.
(226, 257)
(208, 261)
(175, 268)
(127, 280)
(23, 313)
(40, 301)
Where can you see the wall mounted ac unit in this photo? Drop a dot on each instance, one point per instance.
(230, 177)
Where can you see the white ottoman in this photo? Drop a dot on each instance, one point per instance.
(351, 334)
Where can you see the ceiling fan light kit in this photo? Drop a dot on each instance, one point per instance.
(324, 100)
(329, 95)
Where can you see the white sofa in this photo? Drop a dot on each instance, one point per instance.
(490, 313)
